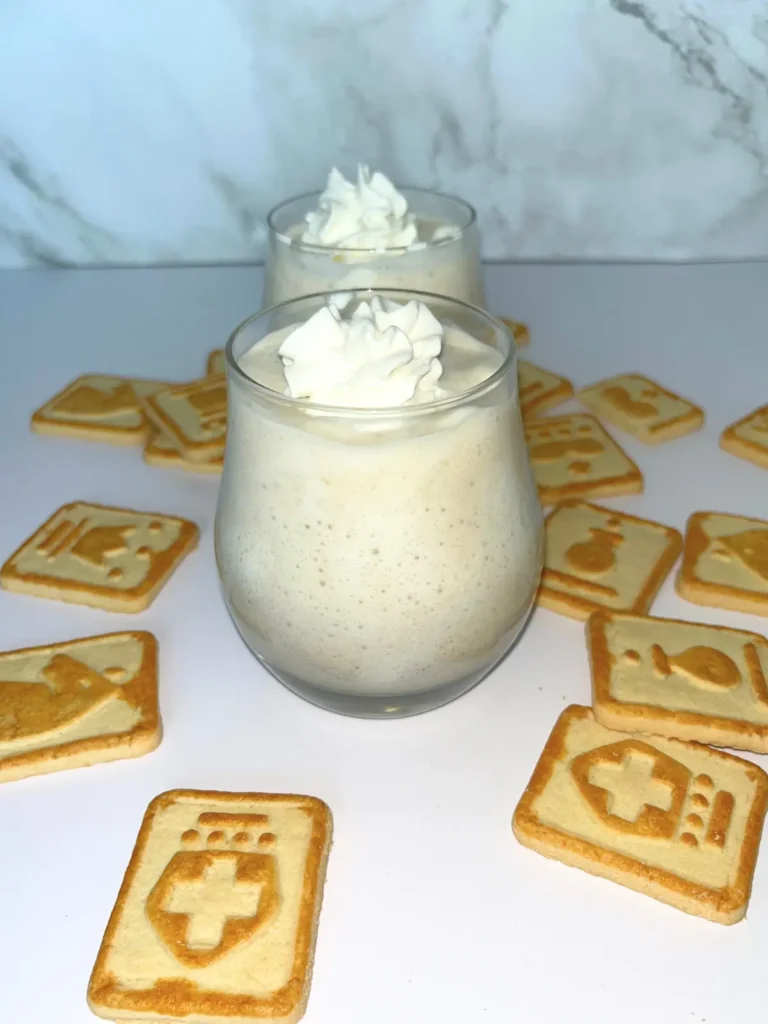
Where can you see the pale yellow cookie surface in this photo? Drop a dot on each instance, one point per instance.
(96, 407)
(539, 389)
(73, 704)
(161, 451)
(748, 437)
(689, 680)
(194, 416)
(217, 916)
(573, 456)
(725, 562)
(216, 363)
(642, 407)
(519, 331)
(597, 558)
(111, 558)
(677, 821)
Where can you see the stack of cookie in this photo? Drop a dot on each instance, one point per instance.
(627, 789)
(182, 426)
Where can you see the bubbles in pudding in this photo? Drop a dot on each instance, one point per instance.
(387, 560)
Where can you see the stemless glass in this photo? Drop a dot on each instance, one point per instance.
(378, 562)
(449, 266)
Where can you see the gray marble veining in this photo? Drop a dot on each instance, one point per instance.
(164, 131)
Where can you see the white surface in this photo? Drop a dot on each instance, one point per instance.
(432, 911)
(163, 132)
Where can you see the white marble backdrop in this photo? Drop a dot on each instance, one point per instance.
(163, 130)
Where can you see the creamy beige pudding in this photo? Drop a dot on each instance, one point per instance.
(368, 234)
(378, 532)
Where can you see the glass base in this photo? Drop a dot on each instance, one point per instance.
(373, 705)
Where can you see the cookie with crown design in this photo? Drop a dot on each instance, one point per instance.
(573, 456)
(78, 703)
(539, 389)
(96, 407)
(596, 558)
(111, 558)
(216, 363)
(748, 437)
(677, 821)
(519, 331)
(161, 451)
(643, 408)
(216, 919)
(688, 680)
(725, 562)
(193, 416)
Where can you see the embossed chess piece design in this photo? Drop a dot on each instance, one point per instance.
(750, 547)
(210, 403)
(637, 789)
(69, 690)
(86, 402)
(639, 409)
(595, 556)
(551, 451)
(218, 890)
(700, 665)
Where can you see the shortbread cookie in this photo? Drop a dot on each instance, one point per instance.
(78, 703)
(194, 416)
(748, 437)
(98, 408)
(520, 332)
(643, 408)
(539, 389)
(573, 456)
(688, 680)
(725, 562)
(677, 821)
(217, 916)
(216, 363)
(110, 558)
(161, 451)
(596, 558)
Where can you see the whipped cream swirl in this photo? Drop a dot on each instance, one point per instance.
(383, 355)
(367, 214)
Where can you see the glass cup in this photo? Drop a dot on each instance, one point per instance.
(448, 266)
(378, 562)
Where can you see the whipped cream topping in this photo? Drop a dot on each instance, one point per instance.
(383, 355)
(367, 214)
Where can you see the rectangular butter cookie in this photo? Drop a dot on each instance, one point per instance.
(96, 407)
(216, 363)
(73, 704)
(539, 389)
(161, 451)
(688, 680)
(748, 437)
(217, 916)
(111, 558)
(725, 562)
(597, 558)
(194, 416)
(677, 821)
(519, 331)
(642, 407)
(573, 456)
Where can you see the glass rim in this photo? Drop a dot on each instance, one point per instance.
(306, 406)
(470, 211)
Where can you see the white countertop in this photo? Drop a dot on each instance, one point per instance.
(432, 911)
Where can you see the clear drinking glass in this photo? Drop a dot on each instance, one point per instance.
(379, 562)
(448, 266)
